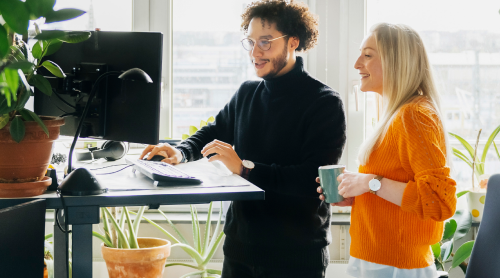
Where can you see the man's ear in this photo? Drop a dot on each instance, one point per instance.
(293, 42)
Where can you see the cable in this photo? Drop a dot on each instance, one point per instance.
(114, 171)
(65, 230)
(109, 166)
(58, 96)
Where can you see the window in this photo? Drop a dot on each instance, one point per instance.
(463, 42)
(209, 63)
(108, 15)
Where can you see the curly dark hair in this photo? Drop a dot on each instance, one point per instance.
(292, 18)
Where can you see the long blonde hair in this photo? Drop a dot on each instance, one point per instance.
(407, 74)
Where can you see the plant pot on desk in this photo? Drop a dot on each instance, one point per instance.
(475, 201)
(27, 161)
(147, 261)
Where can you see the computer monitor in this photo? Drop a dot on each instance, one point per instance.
(122, 110)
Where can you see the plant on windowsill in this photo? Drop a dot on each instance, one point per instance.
(25, 136)
(125, 254)
(193, 129)
(203, 248)
(454, 229)
(477, 195)
(49, 258)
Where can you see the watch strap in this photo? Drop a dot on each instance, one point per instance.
(245, 172)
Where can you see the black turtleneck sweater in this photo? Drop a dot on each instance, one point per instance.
(288, 126)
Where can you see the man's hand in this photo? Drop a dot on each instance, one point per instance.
(347, 202)
(172, 155)
(224, 153)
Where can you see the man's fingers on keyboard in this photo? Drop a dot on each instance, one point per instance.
(169, 160)
(146, 151)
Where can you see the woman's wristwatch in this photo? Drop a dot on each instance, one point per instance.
(246, 167)
(375, 184)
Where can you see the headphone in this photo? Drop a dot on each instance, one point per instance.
(110, 150)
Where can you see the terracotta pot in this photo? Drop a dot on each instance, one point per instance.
(24, 189)
(28, 160)
(148, 261)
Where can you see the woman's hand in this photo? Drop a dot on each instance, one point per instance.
(224, 153)
(354, 184)
(347, 202)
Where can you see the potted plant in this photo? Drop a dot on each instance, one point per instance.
(125, 254)
(454, 229)
(26, 138)
(477, 194)
(203, 248)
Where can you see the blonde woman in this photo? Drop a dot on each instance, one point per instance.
(403, 191)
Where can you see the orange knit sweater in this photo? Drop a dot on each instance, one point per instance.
(412, 151)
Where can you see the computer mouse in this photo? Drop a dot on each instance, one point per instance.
(157, 157)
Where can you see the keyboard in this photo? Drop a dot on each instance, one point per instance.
(162, 172)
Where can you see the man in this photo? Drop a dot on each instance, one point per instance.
(274, 133)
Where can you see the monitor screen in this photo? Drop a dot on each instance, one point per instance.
(122, 110)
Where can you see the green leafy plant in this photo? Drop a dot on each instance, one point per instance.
(193, 129)
(19, 63)
(454, 229)
(203, 248)
(49, 257)
(116, 235)
(472, 159)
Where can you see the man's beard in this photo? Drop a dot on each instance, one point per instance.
(278, 64)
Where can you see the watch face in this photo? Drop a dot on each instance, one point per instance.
(248, 164)
(374, 184)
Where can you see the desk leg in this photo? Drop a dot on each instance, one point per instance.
(59, 248)
(82, 251)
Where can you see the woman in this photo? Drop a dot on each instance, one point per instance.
(404, 161)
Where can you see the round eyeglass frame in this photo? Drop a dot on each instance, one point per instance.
(251, 43)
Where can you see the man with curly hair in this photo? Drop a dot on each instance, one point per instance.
(274, 133)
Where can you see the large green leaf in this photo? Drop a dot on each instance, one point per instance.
(464, 222)
(449, 229)
(211, 119)
(195, 227)
(17, 129)
(24, 93)
(192, 130)
(4, 107)
(54, 68)
(26, 115)
(12, 79)
(461, 193)
(462, 253)
(446, 250)
(25, 66)
(205, 242)
(132, 236)
(181, 237)
(137, 220)
(213, 248)
(42, 84)
(487, 146)
(4, 120)
(52, 47)
(436, 250)
(16, 15)
(40, 8)
(169, 235)
(464, 143)
(4, 42)
(462, 156)
(121, 235)
(38, 121)
(37, 50)
(75, 36)
(62, 15)
(496, 149)
(50, 34)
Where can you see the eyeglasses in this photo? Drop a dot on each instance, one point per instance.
(263, 44)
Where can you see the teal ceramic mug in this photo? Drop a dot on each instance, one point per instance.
(328, 180)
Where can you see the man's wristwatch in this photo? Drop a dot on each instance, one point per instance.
(246, 167)
(183, 160)
(375, 184)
